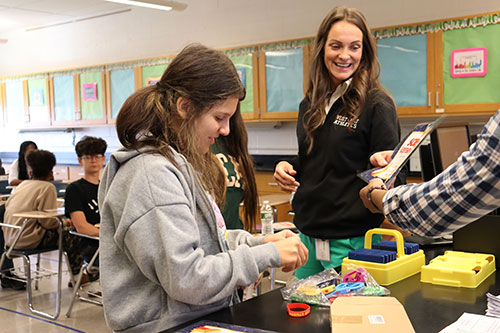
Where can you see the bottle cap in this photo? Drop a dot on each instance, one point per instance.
(298, 309)
(265, 202)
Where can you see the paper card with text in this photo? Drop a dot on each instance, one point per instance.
(401, 154)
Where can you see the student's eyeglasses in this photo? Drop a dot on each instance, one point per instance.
(91, 157)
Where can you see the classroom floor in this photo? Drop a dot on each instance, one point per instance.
(85, 317)
(15, 315)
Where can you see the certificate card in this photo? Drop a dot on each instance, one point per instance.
(401, 154)
(213, 327)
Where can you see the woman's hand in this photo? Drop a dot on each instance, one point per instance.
(292, 251)
(283, 174)
(381, 158)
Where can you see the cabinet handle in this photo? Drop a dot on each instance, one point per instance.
(429, 99)
(437, 98)
(272, 184)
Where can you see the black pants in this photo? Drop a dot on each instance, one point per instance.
(77, 248)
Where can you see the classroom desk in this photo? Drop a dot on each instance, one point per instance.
(429, 307)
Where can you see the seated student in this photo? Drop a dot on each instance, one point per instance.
(18, 171)
(2, 170)
(164, 251)
(80, 200)
(7, 278)
(467, 190)
(36, 194)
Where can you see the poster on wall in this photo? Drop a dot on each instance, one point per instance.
(37, 97)
(89, 91)
(468, 62)
(152, 80)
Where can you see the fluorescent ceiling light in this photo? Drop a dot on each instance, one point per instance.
(155, 4)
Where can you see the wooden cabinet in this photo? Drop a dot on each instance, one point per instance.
(266, 183)
(269, 190)
(120, 84)
(247, 65)
(61, 173)
(283, 74)
(417, 69)
(75, 172)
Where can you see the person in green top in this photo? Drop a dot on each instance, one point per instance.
(232, 152)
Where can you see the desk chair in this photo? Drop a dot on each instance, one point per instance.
(11, 253)
(60, 188)
(3, 187)
(86, 266)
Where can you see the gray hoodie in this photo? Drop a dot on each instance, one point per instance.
(164, 256)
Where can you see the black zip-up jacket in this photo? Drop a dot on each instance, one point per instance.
(327, 203)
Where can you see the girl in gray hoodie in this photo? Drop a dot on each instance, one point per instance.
(164, 252)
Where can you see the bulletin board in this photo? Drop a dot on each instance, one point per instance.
(38, 100)
(121, 87)
(14, 101)
(284, 79)
(153, 71)
(91, 106)
(478, 89)
(64, 98)
(403, 68)
(244, 66)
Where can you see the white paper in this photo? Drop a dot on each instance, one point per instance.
(474, 323)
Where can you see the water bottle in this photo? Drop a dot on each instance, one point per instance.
(266, 218)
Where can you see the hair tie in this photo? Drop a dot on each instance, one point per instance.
(161, 86)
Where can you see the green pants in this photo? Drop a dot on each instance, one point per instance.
(339, 249)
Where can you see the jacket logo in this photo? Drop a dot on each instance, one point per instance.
(343, 121)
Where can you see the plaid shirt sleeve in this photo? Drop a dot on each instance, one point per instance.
(464, 192)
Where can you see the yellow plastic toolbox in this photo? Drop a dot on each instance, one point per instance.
(391, 272)
(459, 269)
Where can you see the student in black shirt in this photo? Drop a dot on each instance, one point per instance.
(80, 199)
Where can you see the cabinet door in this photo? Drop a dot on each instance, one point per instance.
(92, 101)
(407, 72)
(64, 91)
(473, 89)
(152, 74)
(246, 65)
(282, 77)
(14, 103)
(120, 84)
(37, 104)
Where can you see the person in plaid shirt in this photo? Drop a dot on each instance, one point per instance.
(467, 190)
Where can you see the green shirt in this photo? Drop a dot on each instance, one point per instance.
(234, 191)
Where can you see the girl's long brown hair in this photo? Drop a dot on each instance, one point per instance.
(364, 80)
(236, 144)
(203, 77)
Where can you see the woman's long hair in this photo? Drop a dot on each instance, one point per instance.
(149, 117)
(236, 144)
(320, 85)
(21, 159)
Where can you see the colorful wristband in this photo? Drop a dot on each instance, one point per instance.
(298, 310)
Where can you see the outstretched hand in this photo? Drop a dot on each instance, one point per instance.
(283, 174)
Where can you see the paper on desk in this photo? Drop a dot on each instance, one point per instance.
(493, 309)
(474, 323)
